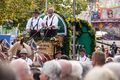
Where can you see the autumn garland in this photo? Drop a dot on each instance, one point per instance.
(79, 24)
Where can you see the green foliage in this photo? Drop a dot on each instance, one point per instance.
(20, 10)
(79, 26)
(67, 42)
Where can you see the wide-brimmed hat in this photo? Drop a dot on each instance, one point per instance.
(23, 51)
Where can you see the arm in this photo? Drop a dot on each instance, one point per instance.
(55, 22)
(28, 24)
(40, 24)
(44, 22)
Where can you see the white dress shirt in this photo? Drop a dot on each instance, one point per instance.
(49, 20)
(84, 59)
(34, 21)
(29, 61)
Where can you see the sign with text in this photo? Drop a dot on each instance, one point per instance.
(46, 47)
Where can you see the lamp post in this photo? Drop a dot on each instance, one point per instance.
(46, 4)
(74, 38)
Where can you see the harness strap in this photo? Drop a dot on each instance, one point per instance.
(33, 27)
(51, 21)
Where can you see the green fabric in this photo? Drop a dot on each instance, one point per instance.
(85, 39)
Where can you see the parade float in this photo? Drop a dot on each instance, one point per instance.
(85, 36)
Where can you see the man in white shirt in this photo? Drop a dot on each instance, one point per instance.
(50, 23)
(24, 54)
(83, 58)
(34, 25)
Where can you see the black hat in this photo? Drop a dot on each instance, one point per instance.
(36, 11)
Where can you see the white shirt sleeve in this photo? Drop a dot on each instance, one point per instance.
(29, 61)
(40, 24)
(55, 22)
(28, 24)
(44, 20)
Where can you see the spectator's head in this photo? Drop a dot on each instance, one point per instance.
(99, 73)
(6, 73)
(58, 54)
(86, 68)
(77, 71)
(109, 59)
(113, 42)
(115, 67)
(65, 57)
(22, 69)
(98, 58)
(51, 71)
(23, 53)
(36, 73)
(82, 52)
(116, 58)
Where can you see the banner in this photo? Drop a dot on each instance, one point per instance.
(111, 13)
(5, 37)
(109, 3)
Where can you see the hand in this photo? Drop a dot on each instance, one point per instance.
(53, 27)
(28, 30)
(38, 30)
(43, 24)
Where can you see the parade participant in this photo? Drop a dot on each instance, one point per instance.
(83, 57)
(50, 23)
(34, 25)
(17, 47)
(3, 48)
(24, 55)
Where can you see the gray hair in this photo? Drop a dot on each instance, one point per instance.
(52, 69)
(116, 58)
(99, 73)
(20, 63)
(115, 67)
(77, 71)
(86, 68)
